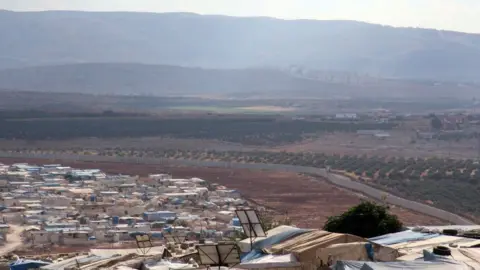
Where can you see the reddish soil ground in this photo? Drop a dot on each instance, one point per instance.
(308, 202)
(399, 144)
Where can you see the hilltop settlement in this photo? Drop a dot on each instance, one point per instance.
(58, 217)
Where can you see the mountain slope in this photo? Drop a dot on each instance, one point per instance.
(162, 80)
(140, 79)
(45, 38)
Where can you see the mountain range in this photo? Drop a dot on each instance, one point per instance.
(220, 42)
(143, 79)
(162, 80)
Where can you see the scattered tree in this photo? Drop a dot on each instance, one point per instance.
(180, 222)
(367, 220)
(436, 123)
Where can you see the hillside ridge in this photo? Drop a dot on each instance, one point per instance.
(214, 41)
(166, 80)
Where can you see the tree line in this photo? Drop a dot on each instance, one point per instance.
(446, 183)
(250, 131)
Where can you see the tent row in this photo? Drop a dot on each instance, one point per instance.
(290, 248)
(293, 248)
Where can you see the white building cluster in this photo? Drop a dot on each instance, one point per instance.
(60, 205)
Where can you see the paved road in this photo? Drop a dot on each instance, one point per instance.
(337, 180)
(345, 182)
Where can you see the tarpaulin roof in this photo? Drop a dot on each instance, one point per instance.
(274, 236)
(418, 246)
(312, 241)
(305, 246)
(166, 265)
(356, 251)
(414, 265)
(79, 260)
(449, 227)
(110, 252)
(271, 261)
(21, 264)
(316, 247)
(401, 237)
(469, 256)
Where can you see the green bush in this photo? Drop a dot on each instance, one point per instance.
(366, 220)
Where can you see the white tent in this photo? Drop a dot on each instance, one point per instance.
(271, 261)
(245, 244)
(413, 265)
(165, 265)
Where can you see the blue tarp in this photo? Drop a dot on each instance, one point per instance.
(401, 237)
(177, 201)
(134, 234)
(157, 235)
(236, 222)
(257, 249)
(27, 264)
(370, 251)
(252, 255)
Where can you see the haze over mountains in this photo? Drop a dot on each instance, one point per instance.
(161, 80)
(141, 79)
(220, 42)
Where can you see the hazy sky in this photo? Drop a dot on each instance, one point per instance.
(461, 15)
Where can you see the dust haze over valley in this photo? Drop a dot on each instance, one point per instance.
(393, 108)
(149, 53)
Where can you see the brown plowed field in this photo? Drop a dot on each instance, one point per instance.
(307, 201)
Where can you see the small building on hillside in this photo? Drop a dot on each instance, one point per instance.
(346, 116)
(159, 216)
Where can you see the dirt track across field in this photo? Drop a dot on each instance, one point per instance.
(14, 240)
(307, 201)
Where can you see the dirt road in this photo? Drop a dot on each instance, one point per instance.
(14, 240)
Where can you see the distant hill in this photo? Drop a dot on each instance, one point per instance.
(162, 80)
(184, 39)
(140, 79)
